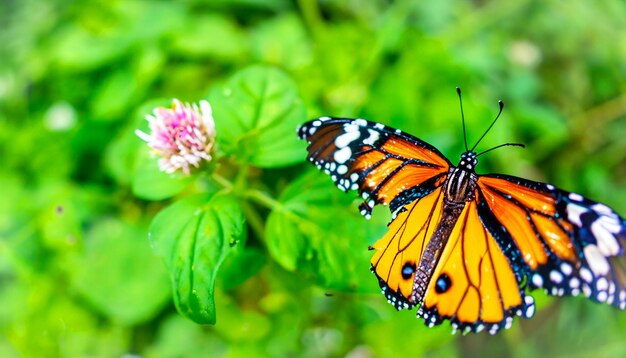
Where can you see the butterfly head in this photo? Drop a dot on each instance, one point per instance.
(468, 161)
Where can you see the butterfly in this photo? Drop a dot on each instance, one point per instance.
(466, 247)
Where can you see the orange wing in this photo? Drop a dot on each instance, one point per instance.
(397, 253)
(473, 284)
(386, 166)
(563, 242)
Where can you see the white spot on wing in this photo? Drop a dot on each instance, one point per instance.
(602, 209)
(566, 268)
(573, 213)
(342, 155)
(342, 169)
(530, 310)
(345, 139)
(351, 127)
(575, 197)
(556, 276)
(372, 138)
(611, 223)
(607, 244)
(586, 275)
(379, 126)
(597, 262)
(537, 280)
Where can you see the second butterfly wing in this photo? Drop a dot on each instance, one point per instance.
(566, 244)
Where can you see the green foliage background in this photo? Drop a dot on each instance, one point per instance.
(79, 275)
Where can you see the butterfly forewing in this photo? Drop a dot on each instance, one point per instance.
(384, 165)
(569, 244)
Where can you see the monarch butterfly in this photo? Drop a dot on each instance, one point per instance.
(465, 247)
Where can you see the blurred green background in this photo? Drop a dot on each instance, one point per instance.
(77, 274)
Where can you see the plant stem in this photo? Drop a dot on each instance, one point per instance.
(254, 220)
(263, 198)
(311, 15)
(225, 183)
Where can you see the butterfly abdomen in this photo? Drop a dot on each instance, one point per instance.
(432, 252)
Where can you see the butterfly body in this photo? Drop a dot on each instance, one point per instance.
(459, 185)
(432, 252)
(466, 247)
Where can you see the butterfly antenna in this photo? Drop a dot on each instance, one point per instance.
(500, 146)
(458, 91)
(492, 123)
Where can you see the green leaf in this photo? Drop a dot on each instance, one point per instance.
(114, 95)
(120, 157)
(256, 114)
(179, 337)
(242, 266)
(149, 182)
(316, 229)
(194, 236)
(119, 275)
(75, 48)
(292, 49)
(241, 324)
(211, 36)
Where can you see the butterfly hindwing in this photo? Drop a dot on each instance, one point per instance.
(473, 284)
(569, 244)
(397, 253)
(385, 165)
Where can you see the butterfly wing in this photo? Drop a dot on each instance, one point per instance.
(385, 165)
(564, 243)
(473, 284)
(397, 253)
